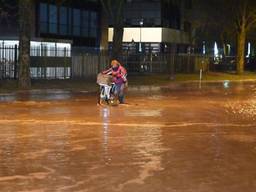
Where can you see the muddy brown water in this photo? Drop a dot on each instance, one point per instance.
(176, 139)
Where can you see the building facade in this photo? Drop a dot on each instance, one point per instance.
(60, 29)
(156, 25)
(75, 22)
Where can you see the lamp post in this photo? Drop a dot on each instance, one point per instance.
(140, 46)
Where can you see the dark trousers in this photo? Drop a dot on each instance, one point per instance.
(119, 91)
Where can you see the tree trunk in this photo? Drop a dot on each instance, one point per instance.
(25, 22)
(117, 50)
(241, 51)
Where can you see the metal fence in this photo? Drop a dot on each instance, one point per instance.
(59, 64)
(222, 64)
(88, 65)
(166, 63)
(8, 62)
(46, 63)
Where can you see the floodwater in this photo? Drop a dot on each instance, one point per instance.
(175, 139)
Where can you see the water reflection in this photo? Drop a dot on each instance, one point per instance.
(7, 97)
(36, 95)
(147, 154)
(226, 84)
(162, 140)
(105, 115)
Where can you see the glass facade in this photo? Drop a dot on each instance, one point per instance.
(153, 13)
(67, 21)
(147, 11)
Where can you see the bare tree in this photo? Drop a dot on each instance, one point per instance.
(243, 14)
(25, 28)
(231, 20)
(114, 10)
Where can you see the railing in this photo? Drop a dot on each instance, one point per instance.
(166, 63)
(58, 63)
(8, 62)
(88, 65)
(46, 63)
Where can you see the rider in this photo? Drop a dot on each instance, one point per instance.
(119, 74)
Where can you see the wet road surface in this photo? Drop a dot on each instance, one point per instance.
(177, 139)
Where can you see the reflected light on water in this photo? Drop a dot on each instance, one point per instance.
(105, 113)
(226, 84)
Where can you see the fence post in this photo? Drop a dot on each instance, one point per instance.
(15, 61)
(188, 63)
(172, 66)
(45, 68)
(83, 74)
(65, 67)
(65, 63)
(99, 62)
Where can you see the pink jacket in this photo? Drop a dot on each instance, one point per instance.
(119, 74)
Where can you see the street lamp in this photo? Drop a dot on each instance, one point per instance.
(140, 46)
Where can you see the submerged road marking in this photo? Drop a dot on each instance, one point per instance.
(159, 125)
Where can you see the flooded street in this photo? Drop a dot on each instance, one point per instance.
(176, 139)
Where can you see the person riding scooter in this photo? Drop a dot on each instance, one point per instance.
(119, 75)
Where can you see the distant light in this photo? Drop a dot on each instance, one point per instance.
(216, 50)
(140, 47)
(249, 50)
(229, 48)
(141, 23)
(204, 48)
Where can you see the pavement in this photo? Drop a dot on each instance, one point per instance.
(176, 138)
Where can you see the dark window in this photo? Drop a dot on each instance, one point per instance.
(187, 26)
(63, 20)
(94, 24)
(188, 4)
(70, 27)
(53, 19)
(171, 15)
(76, 22)
(67, 21)
(43, 18)
(85, 24)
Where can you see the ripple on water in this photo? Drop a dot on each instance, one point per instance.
(243, 109)
(144, 113)
(241, 138)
